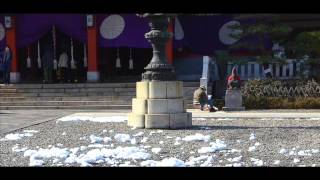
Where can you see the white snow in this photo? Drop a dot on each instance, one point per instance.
(107, 139)
(169, 137)
(237, 164)
(156, 150)
(315, 151)
(59, 145)
(257, 162)
(160, 131)
(215, 146)
(144, 139)
(30, 131)
(104, 131)
(152, 132)
(161, 142)
(257, 144)
(64, 133)
(138, 134)
(36, 162)
(167, 162)
(126, 153)
(304, 153)
(96, 156)
(238, 141)
(208, 162)
(122, 138)
(95, 139)
(252, 148)
(236, 159)
(235, 150)
(14, 137)
(55, 160)
(82, 148)
(133, 141)
(282, 151)
(292, 152)
(313, 165)
(96, 145)
(177, 143)
(276, 162)
(36, 157)
(94, 119)
(193, 161)
(296, 160)
(197, 137)
(16, 148)
(252, 137)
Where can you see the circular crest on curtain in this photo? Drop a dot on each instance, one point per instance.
(225, 32)
(2, 32)
(112, 26)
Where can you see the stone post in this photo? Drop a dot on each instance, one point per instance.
(159, 103)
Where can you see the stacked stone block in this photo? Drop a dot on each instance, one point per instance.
(159, 105)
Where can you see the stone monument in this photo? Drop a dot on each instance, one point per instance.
(159, 102)
(233, 97)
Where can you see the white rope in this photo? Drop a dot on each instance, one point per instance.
(73, 65)
(28, 58)
(130, 60)
(85, 59)
(55, 62)
(118, 61)
(39, 57)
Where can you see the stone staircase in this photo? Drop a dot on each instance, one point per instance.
(75, 96)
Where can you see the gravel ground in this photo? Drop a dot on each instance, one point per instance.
(297, 136)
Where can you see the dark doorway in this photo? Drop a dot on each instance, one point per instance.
(109, 71)
(34, 74)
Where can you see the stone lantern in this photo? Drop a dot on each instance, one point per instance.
(159, 102)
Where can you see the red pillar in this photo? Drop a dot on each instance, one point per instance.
(169, 47)
(93, 73)
(12, 43)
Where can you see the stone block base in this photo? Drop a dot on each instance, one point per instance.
(157, 121)
(159, 105)
(233, 108)
(180, 120)
(136, 120)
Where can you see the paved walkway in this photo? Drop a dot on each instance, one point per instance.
(11, 120)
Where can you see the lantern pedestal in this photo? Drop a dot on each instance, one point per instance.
(159, 105)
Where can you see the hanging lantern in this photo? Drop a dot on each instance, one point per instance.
(85, 59)
(28, 58)
(55, 62)
(73, 64)
(118, 62)
(130, 60)
(39, 57)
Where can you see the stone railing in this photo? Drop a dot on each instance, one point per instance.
(253, 70)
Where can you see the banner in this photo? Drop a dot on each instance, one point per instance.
(31, 27)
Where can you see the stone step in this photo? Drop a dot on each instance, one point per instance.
(10, 94)
(68, 90)
(67, 107)
(11, 90)
(62, 103)
(93, 107)
(82, 85)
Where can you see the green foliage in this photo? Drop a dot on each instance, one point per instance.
(251, 102)
(305, 43)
